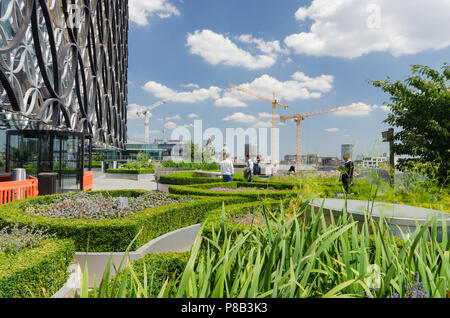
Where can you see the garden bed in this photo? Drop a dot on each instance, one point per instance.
(114, 235)
(261, 190)
(36, 272)
(131, 174)
(192, 177)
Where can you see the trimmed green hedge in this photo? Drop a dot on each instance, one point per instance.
(131, 171)
(115, 235)
(280, 191)
(188, 178)
(27, 273)
(95, 164)
(191, 165)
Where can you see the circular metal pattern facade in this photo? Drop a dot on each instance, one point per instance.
(63, 66)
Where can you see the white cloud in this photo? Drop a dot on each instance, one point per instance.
(141, 10)
(197, 95)
(265, 115)
(215, 48)
(258, 122)
(176, 117)
(190, 85)
(263, 124)
(229, 102)
(132, 110)
(383, 108)
(323, 83)
(192, 116)
(363, 110)
(270, 48)
(170, 125)
(332, 130)
(301, 87)
(241, 118)
(351, 28)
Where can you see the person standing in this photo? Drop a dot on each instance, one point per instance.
(227, 168)
(248, 171)
(275, 170)
(347, 173)
(257, 166)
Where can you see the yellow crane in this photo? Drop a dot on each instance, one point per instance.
(274, 103)
(300, 117)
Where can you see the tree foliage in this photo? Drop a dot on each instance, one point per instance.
(420, 109)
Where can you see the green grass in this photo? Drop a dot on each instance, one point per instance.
(298, 254)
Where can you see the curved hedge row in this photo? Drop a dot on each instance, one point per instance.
(115, 235)
(188, 178)
(131, 171)
(37, 272)
(272, 190)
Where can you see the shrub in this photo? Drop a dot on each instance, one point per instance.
(269, 190)
(13, 239)
(37, 272)
(114, 235)
(189, 177)
(192, 165)
(131, 171)
(80, 205)
(94, 164)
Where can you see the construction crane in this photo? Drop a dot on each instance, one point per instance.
(300, 117)
(145, 112)
(274, 103)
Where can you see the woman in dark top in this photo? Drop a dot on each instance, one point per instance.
(347, 173)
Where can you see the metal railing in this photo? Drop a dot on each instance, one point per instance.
(17, 190)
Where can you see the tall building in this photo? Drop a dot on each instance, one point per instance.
(68, 93)
(347, 149)
(251, 150)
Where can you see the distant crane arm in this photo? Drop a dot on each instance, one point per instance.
(332, 110)
(244, 90)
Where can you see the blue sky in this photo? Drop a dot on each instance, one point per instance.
(315, 54)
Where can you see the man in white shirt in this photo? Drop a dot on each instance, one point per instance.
(227, 169)
(250, 167)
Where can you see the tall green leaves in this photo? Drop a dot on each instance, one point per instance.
(304, 253)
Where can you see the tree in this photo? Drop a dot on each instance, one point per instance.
(420, 109)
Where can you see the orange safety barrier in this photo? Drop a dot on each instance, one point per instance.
(18, 190)
(88, 180)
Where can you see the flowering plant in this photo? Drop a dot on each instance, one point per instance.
(14, 239)
(95, 207)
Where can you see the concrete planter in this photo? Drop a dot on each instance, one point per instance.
(161, 171)
(402, 218)
(177, 241)
(163, 187)
(208, 174)
(136, 177)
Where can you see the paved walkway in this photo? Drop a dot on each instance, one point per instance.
(101, 183)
